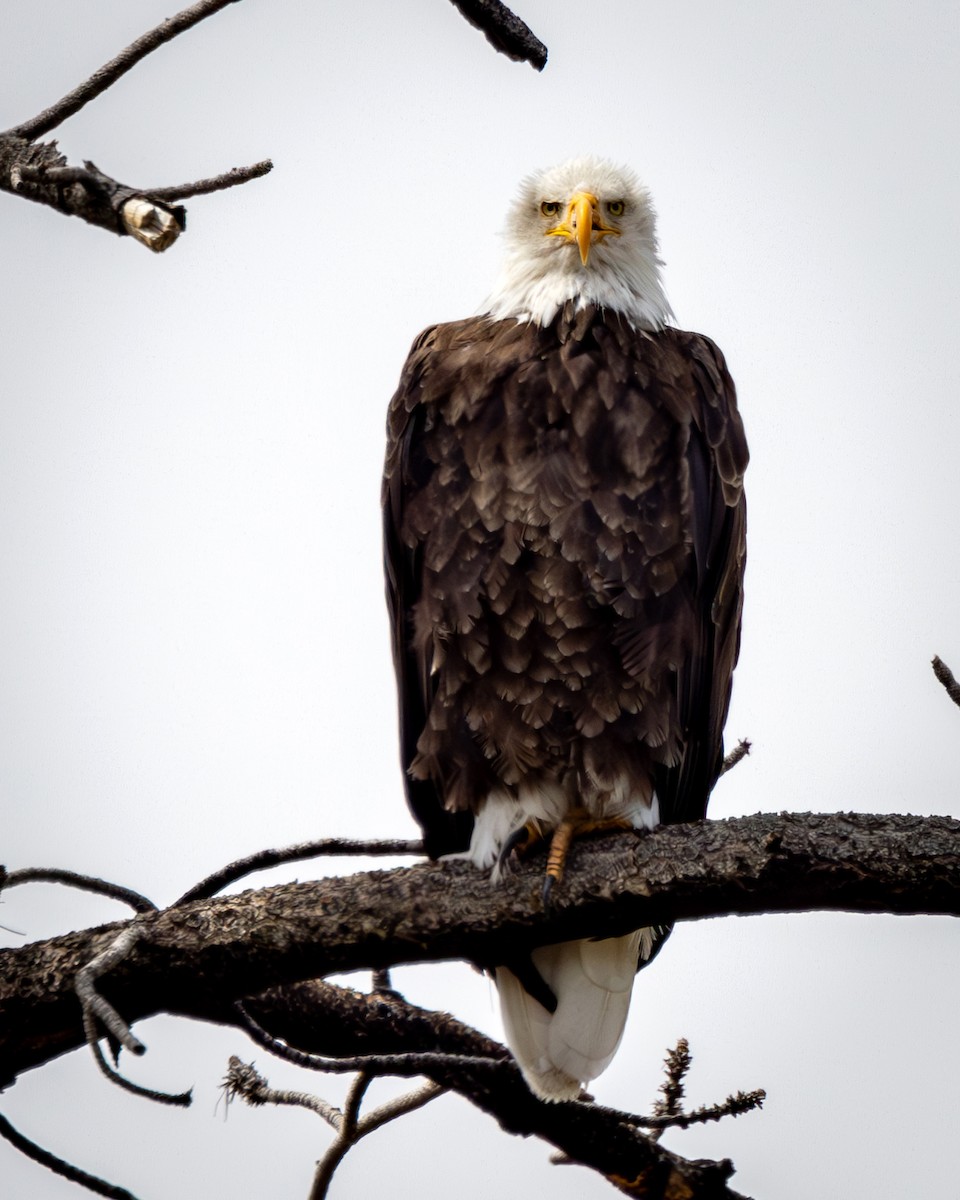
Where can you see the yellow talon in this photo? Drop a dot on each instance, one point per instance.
(576, 823)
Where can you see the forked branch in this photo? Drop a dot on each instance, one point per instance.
(107, 75)
(237, 946)
(243, 1081)
(37, 171)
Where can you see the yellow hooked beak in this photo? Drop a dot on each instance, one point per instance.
(583, 221)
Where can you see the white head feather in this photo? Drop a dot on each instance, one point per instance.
(540, 272)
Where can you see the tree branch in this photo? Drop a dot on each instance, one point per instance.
(323, 1020)
(107, 75)
(740, 751)
(195, 958)
(91, 1182)
(85, 883)
(346, 1137)
(398, 1107)
(244, 1081)
(264, 859)
(217, 183)
(504, 31)
(37, 171)
(946, 677)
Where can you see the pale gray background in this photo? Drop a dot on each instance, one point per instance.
(194, 659)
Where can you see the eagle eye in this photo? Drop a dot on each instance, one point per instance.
(616, 208)
(550, 208)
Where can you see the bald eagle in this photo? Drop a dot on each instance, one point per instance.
(564, 544)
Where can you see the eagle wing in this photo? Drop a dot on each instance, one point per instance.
(716, 459)
(406, 471)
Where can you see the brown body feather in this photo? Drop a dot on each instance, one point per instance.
(565, 529)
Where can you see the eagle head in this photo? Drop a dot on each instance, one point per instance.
(583, 231)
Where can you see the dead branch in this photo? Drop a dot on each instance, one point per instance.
(734, 1106)
(107, 75)
(321, 1018)
(946, 677)
(324, 1020)
(353, 1127)
(668, 1110)
(178, 1099)
(264, 859)
(504, 31)
(195, 958)
(37, 171)
(218, 183)
(405, 1064)
(399, 1107)
(95, 1008)
(243, 1081)
(239, 946)
(92, 1004)
(346, 1137)
(740, 751)
(85, 883)
(670, 1103)
(59, 1166)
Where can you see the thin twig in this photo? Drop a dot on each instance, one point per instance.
(93, 179)
(740, 751)
(96, 1008)
(668, 1110)
(217, 183)
(354, 1128)
(334, 847)
(105, 76)
(733, 1106)
(408, 1102)
(346, 1137)
(670, 1102)
(175, 1099)
(504, 31)
(243, 1080)
(93, 1003)
(378, 1064)
(945, 675)
(677, 1064)
(351, 1106)
(67, 1170)
(86, 883)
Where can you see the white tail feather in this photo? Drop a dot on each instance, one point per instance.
(592, 979)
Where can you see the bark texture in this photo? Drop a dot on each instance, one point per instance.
(88, 194)
(196, 958)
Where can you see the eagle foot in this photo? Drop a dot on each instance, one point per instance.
(577, 823)
(521, 842)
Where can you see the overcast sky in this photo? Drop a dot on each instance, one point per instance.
(194, 658)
